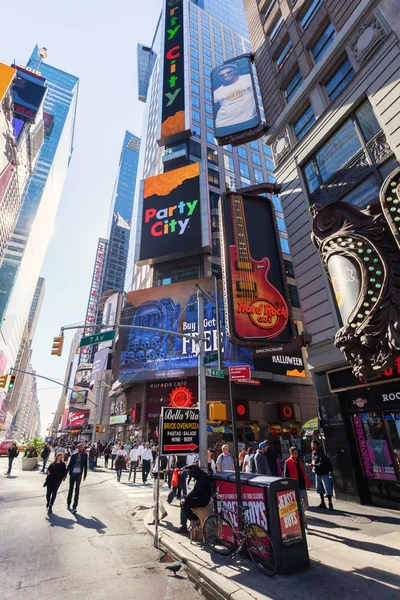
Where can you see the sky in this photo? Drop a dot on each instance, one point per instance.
(96, 41)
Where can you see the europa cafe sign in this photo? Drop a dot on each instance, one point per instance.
(173, 93)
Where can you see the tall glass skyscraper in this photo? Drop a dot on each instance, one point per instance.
(26, 250)
(229, 12)
(121, 215)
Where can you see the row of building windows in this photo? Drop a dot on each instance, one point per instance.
(305, 18)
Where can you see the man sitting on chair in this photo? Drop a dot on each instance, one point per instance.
(199, 497)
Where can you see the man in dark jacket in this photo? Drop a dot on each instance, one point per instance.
(45, 455)
(12, 453)
(322, 468)
(76, 468)
(261, 461)
(199, 497)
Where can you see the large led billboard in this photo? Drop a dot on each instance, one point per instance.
(257, 300)
(171, 220)
(147, 355)
(237, 117)
(28, 97)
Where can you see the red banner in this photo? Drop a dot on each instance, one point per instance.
(180, 393)
(78, 418)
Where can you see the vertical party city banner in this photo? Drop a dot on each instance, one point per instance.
(173, 120)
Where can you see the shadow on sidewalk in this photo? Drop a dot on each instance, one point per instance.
(56, 521)
(359, 545)
(346, 513)
(92, 523)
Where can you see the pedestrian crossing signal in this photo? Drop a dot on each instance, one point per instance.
(58, 343)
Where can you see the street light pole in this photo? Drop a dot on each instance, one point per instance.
(202, 383)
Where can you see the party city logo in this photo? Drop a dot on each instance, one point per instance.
(172, 219)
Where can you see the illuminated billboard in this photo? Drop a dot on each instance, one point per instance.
(257, 300)
(82, 378)
(28, 97)
(174, 124)
(171, 219)
(77, 418)
(237, 117)
(148, 355)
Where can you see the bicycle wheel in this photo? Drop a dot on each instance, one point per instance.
(261, 549)
(219, 535)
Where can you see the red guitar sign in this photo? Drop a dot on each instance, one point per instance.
(257, 309)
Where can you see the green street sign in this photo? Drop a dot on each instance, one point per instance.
(215, 373)
(97, 338)
(210, 358)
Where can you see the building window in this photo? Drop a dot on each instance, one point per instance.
(205, 33)
(218, 49)
(206, 71)
(244, 170)
(207, 61)
(212, 156)
(242, 152)
(195, 102)
(323, 42)
(258, 175)
(209, 122)
(275, 28)
(206, 42)
(277, 203)
(229, 48)
(176, 274)
(294, 296)
(284, 54)
(271, 178)
(310, 13)
(209, 108)
(210, 137)
(256, 159)
(228, 148)
(339, 79)
(329, 162)
(304, 122)
(194, 44)
(284, 245)
(228, 163)
(207, 83)
(230, 182)
(219, 60)
(289, 268)
(207, 52)
(196, 116)
(193, 34)
(208, 95)
(267, 151)
(267, 11)
(194, 64)
(196, 131)
(269, 164)
(195, 88)
(194, 54)
(216, 247)
(293, 85)
(194, 149)
(214, 199)
(213, 177)
(254, 145)
(281, 224)
(195, 76)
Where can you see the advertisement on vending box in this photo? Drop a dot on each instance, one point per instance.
(289, 518)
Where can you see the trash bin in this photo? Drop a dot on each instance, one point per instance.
(275, 504)
(285, 520)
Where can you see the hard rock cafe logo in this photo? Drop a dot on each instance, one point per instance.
(360, 402)
(263, 313)
(181, 397)
(339, 281)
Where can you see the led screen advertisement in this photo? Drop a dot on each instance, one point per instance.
(82, 378)
(257, 300)
(77, 418)
(236, 112)
(171, 217)
(149, 356)
(173, 123)
(28, 97)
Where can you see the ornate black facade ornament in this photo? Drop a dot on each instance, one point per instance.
(359, 250)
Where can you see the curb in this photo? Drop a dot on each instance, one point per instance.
(214, 585)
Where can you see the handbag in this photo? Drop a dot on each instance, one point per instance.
(175, 478)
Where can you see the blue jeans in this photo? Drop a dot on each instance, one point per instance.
(44, 463)
(10, 462)
(74, 481)
(91, 463)
(119, 472)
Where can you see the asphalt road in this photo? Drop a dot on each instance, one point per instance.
(101, 552)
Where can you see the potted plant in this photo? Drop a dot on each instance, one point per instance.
(33, 450)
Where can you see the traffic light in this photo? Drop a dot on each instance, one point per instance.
(217, 411)
(3, 381)
(57, 347)
(11, 383)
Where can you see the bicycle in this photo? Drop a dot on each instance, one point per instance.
(223, 538)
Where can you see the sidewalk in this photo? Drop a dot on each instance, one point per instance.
(354, 550)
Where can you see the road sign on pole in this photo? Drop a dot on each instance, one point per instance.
(220, 373)
(211, 358)
(239, 373)
(179, 430)
(97, 338)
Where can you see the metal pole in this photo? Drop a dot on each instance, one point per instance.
(218, 322)
(202, 383)
(236, 456)
(157, 482)
(95, 410)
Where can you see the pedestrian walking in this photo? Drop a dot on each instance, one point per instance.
(159, 466)
(199, 497)
(107, 454)
(170, 470)
(272, 459)
(92, 457)
(260, 459)
(45, 453)
(212, 468)
(77, 468)
(322, 468)
(242, 454)
(249, 465)
(147, 457)
(225, 460)
(294, 469)
(134, 461)
(190, 458)
(56, 472)
(120, 461)
(12, 453)
(114, 453)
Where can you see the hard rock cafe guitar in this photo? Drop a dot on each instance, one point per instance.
(259, 310)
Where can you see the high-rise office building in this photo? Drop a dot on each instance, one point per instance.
(329, 76)
(25, 252)
(213, 33)
(146, 58)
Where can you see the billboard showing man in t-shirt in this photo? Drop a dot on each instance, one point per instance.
(234, 98)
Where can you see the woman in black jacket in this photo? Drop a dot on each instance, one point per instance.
(55, 474)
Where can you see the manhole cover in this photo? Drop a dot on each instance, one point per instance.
(355, 519)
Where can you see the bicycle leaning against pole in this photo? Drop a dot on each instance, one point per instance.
(222, 537)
